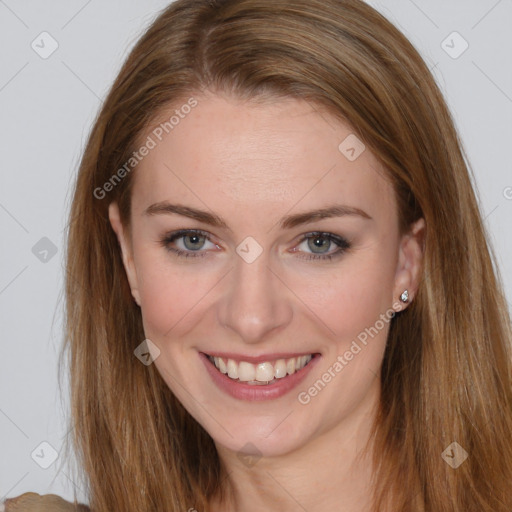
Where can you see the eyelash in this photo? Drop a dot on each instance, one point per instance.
(342, 243)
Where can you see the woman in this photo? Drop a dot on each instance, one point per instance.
(279, 290)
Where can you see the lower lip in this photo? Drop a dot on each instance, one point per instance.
(256, 392)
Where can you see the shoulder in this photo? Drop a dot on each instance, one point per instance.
(33, 502)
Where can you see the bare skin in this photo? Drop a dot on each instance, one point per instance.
(253, 164)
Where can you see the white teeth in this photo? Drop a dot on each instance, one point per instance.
(280, 369)
(221, 365)
(261, 372)
(290, 366)
(232, 369)
(246, 371)
(264, 372)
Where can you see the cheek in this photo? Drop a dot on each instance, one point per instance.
(168, 291)
(355, 296)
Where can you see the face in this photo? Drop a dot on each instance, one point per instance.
(233, 273)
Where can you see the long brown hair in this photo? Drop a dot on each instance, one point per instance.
(447, 369)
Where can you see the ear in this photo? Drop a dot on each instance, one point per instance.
(126, 249)
(410, 262)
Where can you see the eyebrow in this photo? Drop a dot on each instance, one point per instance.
(287, 222)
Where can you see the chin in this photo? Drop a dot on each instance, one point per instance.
(255, 438)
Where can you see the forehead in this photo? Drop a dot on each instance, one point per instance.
(230, 154)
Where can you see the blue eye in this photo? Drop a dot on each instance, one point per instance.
(193, 240)
(318, 241)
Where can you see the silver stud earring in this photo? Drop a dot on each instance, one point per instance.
(405, 296)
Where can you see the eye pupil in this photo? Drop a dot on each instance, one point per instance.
(318, 242)
(196, 241)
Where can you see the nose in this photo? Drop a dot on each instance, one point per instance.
(257, 302)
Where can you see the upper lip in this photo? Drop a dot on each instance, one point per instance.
(258, 359)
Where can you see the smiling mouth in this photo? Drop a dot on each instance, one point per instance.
(260, 374)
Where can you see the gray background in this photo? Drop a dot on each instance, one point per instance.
(47, 107)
